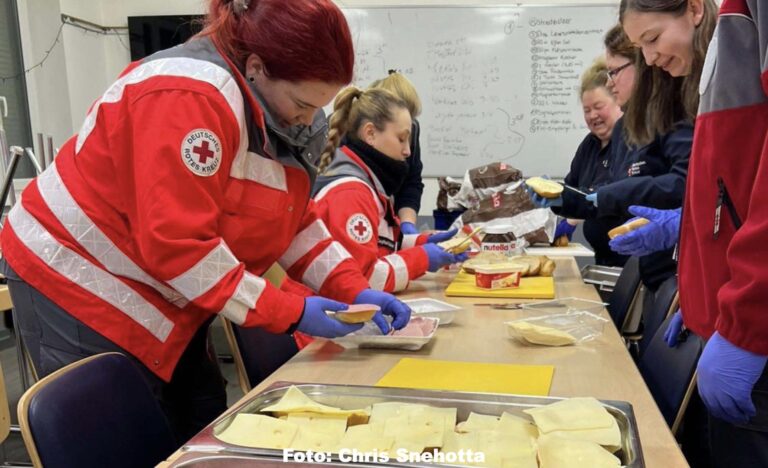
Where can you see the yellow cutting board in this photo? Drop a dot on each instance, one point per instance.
(469, 377)
(535, 287)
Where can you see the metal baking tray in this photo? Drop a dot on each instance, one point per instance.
(604, 277)
(208, 447)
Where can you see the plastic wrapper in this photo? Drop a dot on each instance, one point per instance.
(482, 182)
(449, 188)
(582, 326)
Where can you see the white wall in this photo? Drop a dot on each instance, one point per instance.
(83, 64)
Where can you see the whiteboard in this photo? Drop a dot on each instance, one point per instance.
(496, 83)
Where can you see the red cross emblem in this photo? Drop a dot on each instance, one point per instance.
(203, 152)
(359, 228)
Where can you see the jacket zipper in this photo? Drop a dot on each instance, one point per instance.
(723, 197)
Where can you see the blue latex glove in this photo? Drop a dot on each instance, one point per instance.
(408, 228)
(726, 377)
(400, 313)
(564, 228)
(672, 334)
(439, 258)
(315, 322)
(592, 197)
(441, 236)
(660, 234)
(542, 202)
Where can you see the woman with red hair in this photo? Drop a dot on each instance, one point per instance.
(186, 182)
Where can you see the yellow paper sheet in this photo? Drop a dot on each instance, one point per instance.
(469, 377)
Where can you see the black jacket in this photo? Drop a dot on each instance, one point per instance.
(590, 169)
(653, 175)
(409, 195)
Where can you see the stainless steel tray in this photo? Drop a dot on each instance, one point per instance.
(207, 446)
(604, 277)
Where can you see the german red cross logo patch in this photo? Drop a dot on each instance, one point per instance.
(201, 152)
(359, 228)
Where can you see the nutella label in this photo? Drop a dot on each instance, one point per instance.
(504, 247)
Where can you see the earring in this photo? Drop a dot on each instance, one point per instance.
(251, 79)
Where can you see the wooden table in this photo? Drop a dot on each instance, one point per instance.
(602, 368)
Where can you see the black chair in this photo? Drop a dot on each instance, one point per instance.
(670, 373)
(625, 294)
(96, 412)
(257, 352)
(665, 303)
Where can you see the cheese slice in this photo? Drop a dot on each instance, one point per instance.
(312, 440)
(295, 401)
(331, 424)
(422, 428)
(518, 426)
(571, 414)
(559, 452)
(608, 437)
(540, 335)
(256, 430)
(365, 440)
(477, 422)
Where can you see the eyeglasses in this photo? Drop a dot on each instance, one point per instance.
(614, 72)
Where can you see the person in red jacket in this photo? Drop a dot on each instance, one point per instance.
(721, 263)
(354, 192)
(186, 182)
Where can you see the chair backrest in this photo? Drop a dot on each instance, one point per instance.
(664, 303)
(257, 352)
(96, 412)
(625, 292)
(669, 372)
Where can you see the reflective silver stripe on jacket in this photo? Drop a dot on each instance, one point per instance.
(182, 67)
(400, 270)
(206, 273)
(322, 266)
(305, 241)
(254, 167)
(379, 275)
(91, 238)
(246, 296)
(87, 275)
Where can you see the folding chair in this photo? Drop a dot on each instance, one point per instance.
(97, 412)
(670, 373)
(665, 302)
(625, 295)
(258, 353)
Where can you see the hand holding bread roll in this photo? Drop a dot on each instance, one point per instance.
(544, 187)
(627, 227)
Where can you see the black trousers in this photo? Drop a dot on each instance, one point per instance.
(195, 395)
(743, 445)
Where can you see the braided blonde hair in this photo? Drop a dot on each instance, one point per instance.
(352, 108)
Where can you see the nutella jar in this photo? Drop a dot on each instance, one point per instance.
(499, 239)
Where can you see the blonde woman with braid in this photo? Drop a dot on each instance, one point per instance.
(354, 192)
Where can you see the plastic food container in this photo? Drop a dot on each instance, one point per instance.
(498, 276)
(428, 307)
(418, 332)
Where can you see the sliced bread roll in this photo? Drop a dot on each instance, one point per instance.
(627, 227)
(544, 187)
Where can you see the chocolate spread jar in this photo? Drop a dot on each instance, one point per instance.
(499, 239)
